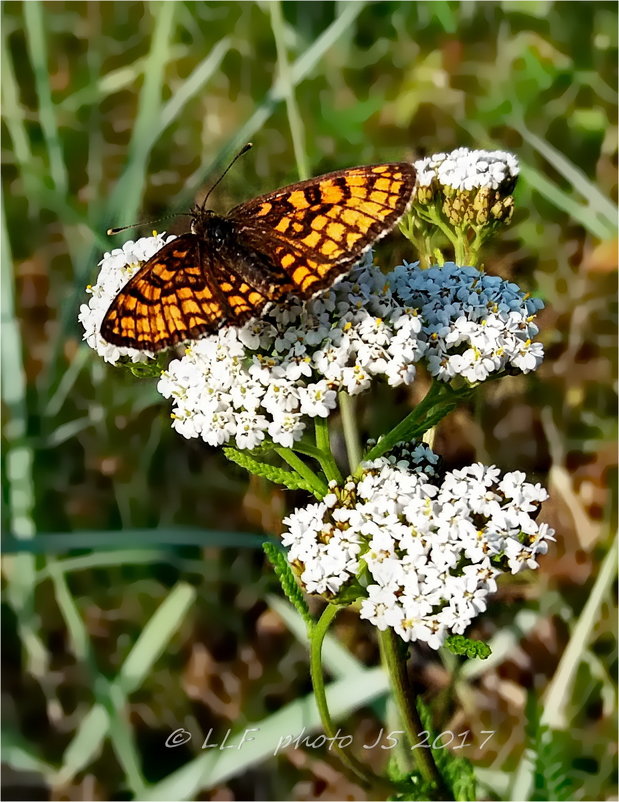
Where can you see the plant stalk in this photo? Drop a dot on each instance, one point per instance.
(317, 636)
(439, 393)
(324, 454)
(405, 700)
(287, 454)
(351, 433)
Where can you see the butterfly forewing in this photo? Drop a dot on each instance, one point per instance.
(292, 242)
(317, 229)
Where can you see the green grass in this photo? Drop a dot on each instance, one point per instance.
(136, 600)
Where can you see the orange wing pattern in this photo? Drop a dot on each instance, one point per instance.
(292, 242)
(173, 298)
(318, 229)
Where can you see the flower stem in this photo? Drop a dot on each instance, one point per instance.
(435, 217)
(439, 400)
(351, 433)
(287, 454)
(461, 251)
(404, 695)
(317, 636)
(324, 455)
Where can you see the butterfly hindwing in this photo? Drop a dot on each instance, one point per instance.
(167, 301)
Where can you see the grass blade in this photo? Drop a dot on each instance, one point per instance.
(299, 70)
(155, 636)
(34, 27)
(19, 570)
(562, 200)
(295, 122)
(558, 692)
(126, 196)
(214, 767)
(597, 201)
(111, 702)
(105, 717)
(170, 537)
(108, 559)
(193, 84)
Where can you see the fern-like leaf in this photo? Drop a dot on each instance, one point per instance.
(274, 474)
(457, 772)
(550, 780)
(459, 644)
(287, 580)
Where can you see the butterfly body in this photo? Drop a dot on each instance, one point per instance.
(293, 242)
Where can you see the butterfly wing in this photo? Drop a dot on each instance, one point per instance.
(170, 299)
(294, 241)
(318, 229)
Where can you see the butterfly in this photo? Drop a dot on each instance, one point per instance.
(228, 269)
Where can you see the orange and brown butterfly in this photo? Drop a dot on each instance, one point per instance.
(293, 242)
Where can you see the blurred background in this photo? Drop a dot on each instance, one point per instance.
(136, 596)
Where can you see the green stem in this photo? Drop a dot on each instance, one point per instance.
(475, 247)
(351, 433)
(461, 251)
(404, 695)
(434, 217)
(317, 636)
(439, 395)
(324, 455)
(295, 462)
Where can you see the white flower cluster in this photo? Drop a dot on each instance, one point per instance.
(423, 551)
(269, 376)
(466, 169)
(117, 268)
(475, 324)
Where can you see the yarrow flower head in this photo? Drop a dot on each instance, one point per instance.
(265, 379)
(420, 548)
(468, 186)
(475, 324)
(268, 377)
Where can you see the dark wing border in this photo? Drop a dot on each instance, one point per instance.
(250, 206)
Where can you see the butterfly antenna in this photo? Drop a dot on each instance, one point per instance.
(112, 231)
(243, 150)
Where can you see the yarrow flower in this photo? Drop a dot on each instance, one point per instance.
(469, 186)
(420, 548)
(475, 324)
(268, 377)
(277, 371)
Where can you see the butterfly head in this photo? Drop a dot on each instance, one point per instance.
(201, 220)
(206, 224)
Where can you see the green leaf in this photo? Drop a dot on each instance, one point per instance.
(457, 772)
(349, 594)
(277, 475)
(287, 580)
(412, 787)
(144, 370)
(550, 780)
(459, 644)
